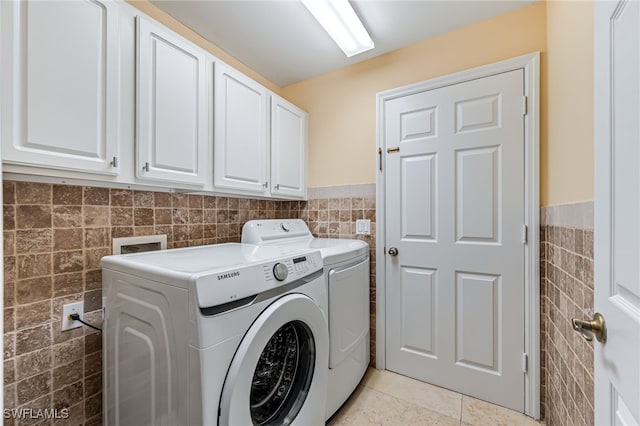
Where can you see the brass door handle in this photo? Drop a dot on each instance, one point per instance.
(595, 327)
(393, 150)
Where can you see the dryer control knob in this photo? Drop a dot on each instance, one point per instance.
(280, 271)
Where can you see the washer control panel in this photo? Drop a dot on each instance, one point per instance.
(293, 268)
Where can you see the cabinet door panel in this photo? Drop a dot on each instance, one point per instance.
(60, 86)
(288, 149)
(172, 107)
(241, 145)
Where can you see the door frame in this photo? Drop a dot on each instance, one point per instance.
(530, 63)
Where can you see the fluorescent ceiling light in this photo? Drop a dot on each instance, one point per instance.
(338, 18)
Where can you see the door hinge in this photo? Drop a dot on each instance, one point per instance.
(525, 105)
(525, 363)
(525, 234)
(380, 159)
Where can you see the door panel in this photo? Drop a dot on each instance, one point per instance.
(478, 313)
(617, 211)
(477, 194)
(418, 201)
(418, 290)
(454, 210)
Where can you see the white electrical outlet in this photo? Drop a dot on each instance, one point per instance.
(72, 308)
(363, 227)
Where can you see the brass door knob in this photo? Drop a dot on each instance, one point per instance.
(595, 327)
(393, 251)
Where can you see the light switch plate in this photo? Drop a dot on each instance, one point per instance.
(363, 227)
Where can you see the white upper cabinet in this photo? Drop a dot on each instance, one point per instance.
(60, 84)
(288, 149)
(171, 111)
(240, 121)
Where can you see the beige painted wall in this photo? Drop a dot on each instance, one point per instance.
(165, 19)
(342, 104)
(342, 109)
(567, 157)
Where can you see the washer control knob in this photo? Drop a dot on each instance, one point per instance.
(285, 227)
(280, 271)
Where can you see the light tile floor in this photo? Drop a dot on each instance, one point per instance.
(386, 398)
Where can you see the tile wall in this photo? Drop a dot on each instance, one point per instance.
(567, 292)
(54, 237)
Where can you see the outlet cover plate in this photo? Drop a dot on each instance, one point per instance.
(363, 227)
(69, 309)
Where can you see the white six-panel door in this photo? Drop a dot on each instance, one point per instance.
(60, 84)
(617, 211)
(455, 213)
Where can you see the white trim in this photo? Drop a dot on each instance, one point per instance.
(577, 215)
(530, 63)
(365, 190)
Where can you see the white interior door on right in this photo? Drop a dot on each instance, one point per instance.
(454, 209)
(617, 211)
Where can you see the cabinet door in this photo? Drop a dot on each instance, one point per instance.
(60, 84)
(288, 149)
(172, 128)
(240, 142)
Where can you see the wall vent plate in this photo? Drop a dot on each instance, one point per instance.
(139, 244)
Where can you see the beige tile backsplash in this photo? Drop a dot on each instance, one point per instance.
(54, 237)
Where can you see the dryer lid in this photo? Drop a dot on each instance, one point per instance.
(294, 233)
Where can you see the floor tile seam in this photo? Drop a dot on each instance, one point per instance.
(412, 404)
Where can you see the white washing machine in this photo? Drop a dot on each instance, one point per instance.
(346, 268)
(228, 334)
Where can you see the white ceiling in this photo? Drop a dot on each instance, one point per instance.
(282, 41)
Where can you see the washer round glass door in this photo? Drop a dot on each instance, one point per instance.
(278, 374)
(283, 375)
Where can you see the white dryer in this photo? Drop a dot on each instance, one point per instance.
(229, 334)
(346, 268)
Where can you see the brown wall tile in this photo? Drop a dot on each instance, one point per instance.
(67, 239)
(33, 363)
(33, 217)
(33, 314)
(67, 374)
(67, 216)
(32, 193)
(121, 197)
(31, 339)
(67, 195)
(68, 261)
(53, 258)
(566, 292)
(143, 199)
(34, 265)
(33, 387)
(34, 290)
